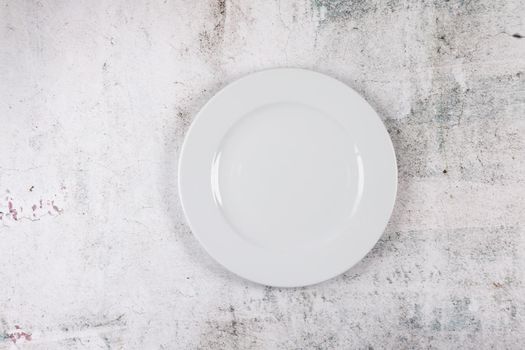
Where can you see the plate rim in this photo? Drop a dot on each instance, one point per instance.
(391, 154)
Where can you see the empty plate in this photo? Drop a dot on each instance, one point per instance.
(287, 177)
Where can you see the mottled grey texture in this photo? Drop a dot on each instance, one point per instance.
(95, 98)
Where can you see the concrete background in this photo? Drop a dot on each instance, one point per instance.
(96, 96)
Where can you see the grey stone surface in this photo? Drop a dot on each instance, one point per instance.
(95, 98)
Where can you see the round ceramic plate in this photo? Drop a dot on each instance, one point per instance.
(287, 177)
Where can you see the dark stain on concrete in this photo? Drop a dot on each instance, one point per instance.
(461, 318)
(346, 10)
(212, 37)
(230, 331)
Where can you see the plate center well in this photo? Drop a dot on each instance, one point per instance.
(286, 176)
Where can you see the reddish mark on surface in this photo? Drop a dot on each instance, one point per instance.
(19, 335)
(12, 210)
(16, 213)
(55, 208)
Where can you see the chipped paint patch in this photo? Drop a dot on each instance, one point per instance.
(12, 210)
(17, 335)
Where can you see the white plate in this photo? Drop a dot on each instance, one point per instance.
(287, 177)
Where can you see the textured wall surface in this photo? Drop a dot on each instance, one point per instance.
(95, 99)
